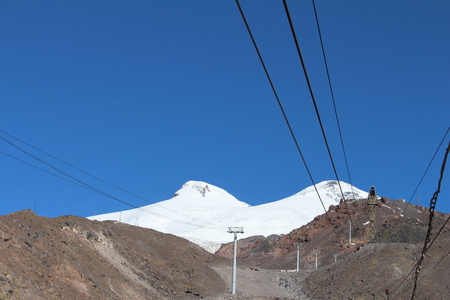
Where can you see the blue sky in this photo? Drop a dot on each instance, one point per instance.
(150, 94)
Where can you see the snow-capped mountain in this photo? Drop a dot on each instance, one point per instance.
(202, 213)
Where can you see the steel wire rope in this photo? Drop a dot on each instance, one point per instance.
(97, 191)
(430, 226)
(423, 176)
(107, 195)
(415, 265)
(72, 166)
(426, 170)
(285, 118)
(434, 267)
(68, 180)
(332, 95)
(93, 176)
(43, 170)
(42, 161)
(104, 181)
(315, 105)
(89, 187)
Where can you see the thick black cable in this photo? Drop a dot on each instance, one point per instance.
(84, 172)
(285, 117)
(315, 105)
(429, 165)
(430, 226)
(332, 95)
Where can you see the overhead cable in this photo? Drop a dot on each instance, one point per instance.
(97, 178)
(83, 184)
(425, 173)
(112, 197)
(315, 105)
(43, 170)
(430, 226)
(415, 265)
(332, 96)
(72, 166)
(435, 266)
(285, 117)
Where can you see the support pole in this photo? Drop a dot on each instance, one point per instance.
(233, 282)
(235, 231)
(350, 232)
(317, 253)
(298, 255)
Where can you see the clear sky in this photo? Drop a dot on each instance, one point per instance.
(150, 94)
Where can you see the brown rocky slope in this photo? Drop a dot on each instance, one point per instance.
(75, 258)
(361, 271)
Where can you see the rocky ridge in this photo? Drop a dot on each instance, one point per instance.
(356, 270)
(75, 258)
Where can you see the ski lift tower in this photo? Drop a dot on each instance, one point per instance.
(372, 230)
(235, 231)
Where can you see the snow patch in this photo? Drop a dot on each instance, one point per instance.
(384, 205)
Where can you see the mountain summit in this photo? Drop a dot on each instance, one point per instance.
(202, 212)
(212, 194)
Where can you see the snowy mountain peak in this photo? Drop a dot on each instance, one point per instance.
(330, 189)
(199, 189)
(202, 212)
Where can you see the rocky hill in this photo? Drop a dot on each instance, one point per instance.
(75, 258)
(362, 271)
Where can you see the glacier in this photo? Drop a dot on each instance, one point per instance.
(202, 212)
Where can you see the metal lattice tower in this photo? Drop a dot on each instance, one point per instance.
(372, 230)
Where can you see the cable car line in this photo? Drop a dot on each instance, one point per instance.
(285, 117)
(332, 96)
(430, 226)
(93, 189)
(315, 104)
(95, 177)
(425, 173)
(415, 265)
